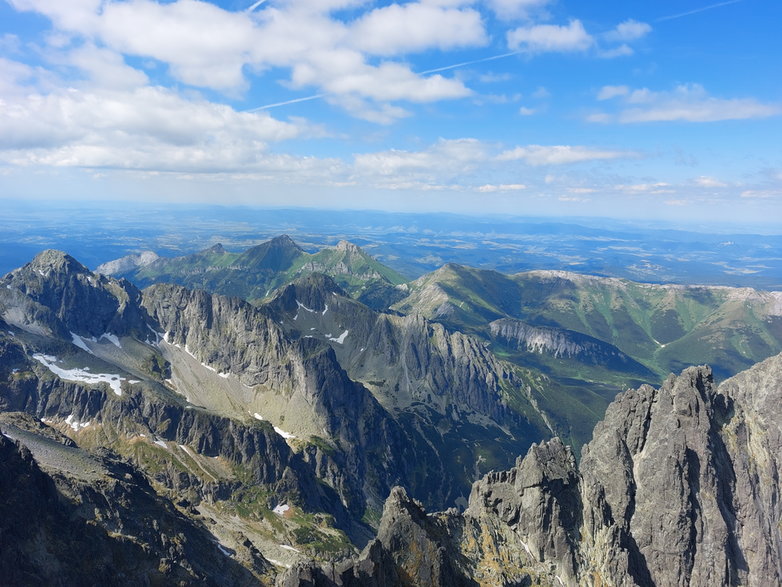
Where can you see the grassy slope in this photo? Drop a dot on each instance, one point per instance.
(256, 272)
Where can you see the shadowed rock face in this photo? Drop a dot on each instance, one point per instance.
(108, 528)
(679, 486)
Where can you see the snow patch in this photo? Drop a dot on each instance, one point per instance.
(224, 550)
(161, 443)
(277, 563)
(296, 317)
(285, 435)
(326, 309)
(224, 375)
(79, 342)
(80, 375)
(75, 424)
(257, 416)
(340, 339)
(112, 338)
(280, 509)
(305, 308)
(11, 332)
(286, 547)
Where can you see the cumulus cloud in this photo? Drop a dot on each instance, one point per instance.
(685, 103)
(629, 30)
(303, 37)
(559, 154)
(146, 128)
(545, 38)
(399, 29)
(175, 34)
(104, 68)
(446, 158)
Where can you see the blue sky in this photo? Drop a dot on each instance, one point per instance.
(660, 110)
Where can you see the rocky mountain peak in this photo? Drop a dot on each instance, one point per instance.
(348, 247)
(52, 260)
(283, 241)
(216, 249)
(127, 263)
(56, 295)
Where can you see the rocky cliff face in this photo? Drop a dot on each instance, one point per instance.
(563, 343)
(297, 383)
(679, 486)
(442, 387)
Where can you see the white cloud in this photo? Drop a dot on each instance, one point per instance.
(348, 75)
(541, 93)
(525, 111)
(709, 182)
(559, 154)
(550, 38)
(146, 128)
(760, 194)
(686, 103)
(521, 9)
(503, 187)
(78, 16)
(629, 30)
(608, 92)
(204, 45)
(446, 157)
(622, 50)
(659, 187)
(105, 68)
(302, 37)
(399, 29)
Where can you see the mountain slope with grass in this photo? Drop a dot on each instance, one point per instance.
(255, 273)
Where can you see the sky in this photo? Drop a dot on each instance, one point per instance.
(663, 110)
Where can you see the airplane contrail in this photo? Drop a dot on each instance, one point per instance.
(293, 101)
(427, 72)
(254, 6)
(697, 10)
(464, 63)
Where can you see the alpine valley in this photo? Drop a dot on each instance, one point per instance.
(276, 416)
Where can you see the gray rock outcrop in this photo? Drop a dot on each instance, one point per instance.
(679, 486)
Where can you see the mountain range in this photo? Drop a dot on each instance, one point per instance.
(264, 405)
